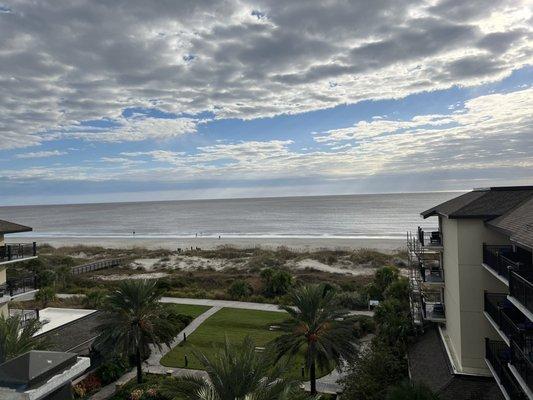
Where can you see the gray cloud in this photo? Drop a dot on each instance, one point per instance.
(63, 62)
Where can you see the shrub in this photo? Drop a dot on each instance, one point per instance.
(239, 289)
(45, 295)
(369, 256)
(111, 371)
(276, 282)
(90, 384)
(95, 299)
(352, 300)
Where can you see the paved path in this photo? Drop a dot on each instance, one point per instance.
(153, 363)
(239, 304)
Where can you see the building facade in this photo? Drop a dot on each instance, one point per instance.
(471, 278)
(11, 253)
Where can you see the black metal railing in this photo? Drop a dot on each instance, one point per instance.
(521, 288)
(508, 318)
(521, 360)
(22, 285)
(498, 355)
(17, 251)
(97, 265)
(25, 315)
(500, 258)
(431, 273)
(429, 238)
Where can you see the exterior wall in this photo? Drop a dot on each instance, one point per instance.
(1, 239)
(3, 276)
(465, 283)
(4, 310)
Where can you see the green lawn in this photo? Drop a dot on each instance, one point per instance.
(235, 324)
(188, 309)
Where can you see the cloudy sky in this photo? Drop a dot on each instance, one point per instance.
(135, 100)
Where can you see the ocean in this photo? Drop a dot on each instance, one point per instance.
(372, 216)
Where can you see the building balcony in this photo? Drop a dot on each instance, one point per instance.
(507, 319)
(521, 365)
(431, 272)
(500, 259)
(4, 294)
(497, 357)
(521, 291)
(427, 240)
(17, 251)
(434, 311)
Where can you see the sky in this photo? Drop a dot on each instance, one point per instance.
(133, 100)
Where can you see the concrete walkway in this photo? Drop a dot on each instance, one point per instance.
(153, 363)
(239, 304)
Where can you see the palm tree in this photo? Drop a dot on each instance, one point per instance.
(133, 320)
(319, 328)
(409, 391)
(15, 341)
(235, 373)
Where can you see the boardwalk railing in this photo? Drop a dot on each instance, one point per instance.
(98, 265)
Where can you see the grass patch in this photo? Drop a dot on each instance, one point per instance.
(235, 324)
(188, 309)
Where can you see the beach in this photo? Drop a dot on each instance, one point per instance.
(297, 244)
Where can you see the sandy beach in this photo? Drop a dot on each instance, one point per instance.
(211, 243)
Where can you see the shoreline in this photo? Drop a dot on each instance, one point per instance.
(300, 244)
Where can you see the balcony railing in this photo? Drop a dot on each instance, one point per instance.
(17, 251)
(508, 318)
(25, 315)
(498, 355)
(521, 288)
(500, 258)
(22, 285)
(431, 272)
(521, 360)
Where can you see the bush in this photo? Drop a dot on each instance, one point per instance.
(276, 282)
(45, 295)
(363, 326)
(239, 289)
(352, 300)
(111, 370)
(90, 384)
(374, 371)
(95, 299)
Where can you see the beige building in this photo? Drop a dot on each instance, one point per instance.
(471, 284)
(11, 253)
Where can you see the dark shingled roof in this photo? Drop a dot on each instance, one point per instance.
(428, 364)
(34, 367)
(518, 224)
(75, 337)
(483, 203)
(11, 227)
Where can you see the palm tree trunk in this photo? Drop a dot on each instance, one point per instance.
(139, 365)
(312, 378)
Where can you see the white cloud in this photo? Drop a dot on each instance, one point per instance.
(63, 63)
(41, 154)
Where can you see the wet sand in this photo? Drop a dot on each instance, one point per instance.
(300, 244)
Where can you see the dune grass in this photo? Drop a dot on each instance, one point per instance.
(235, 324)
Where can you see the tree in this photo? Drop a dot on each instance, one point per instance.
(393, 322)
(235, 373)
(45, 295)
(276, 282)
(133, 320)
(319, 327)
(15, 341)
(373, 372)
(384, 277)
(410, 391)
(239, 289)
